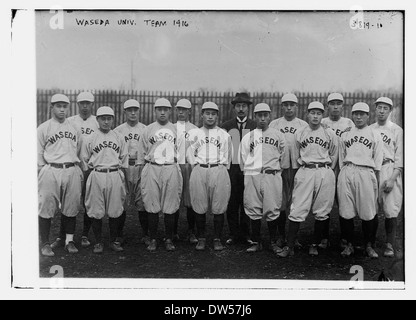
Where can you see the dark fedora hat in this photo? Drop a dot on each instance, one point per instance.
(241, 97)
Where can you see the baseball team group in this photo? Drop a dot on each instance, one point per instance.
(244, 170)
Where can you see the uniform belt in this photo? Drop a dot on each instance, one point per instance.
(160, 164)
(62, 165)
(209, 165)
(106, 170)
(385, 161)
(315, 165)
(132, 162)
(273, 172)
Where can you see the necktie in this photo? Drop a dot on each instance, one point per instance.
(240, 126)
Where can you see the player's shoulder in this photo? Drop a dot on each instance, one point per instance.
(120, 127)
(44, 125)
(276, 122)
(228, 125)
(73, 118)
(303, 123)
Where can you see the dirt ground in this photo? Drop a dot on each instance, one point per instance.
(232, 263)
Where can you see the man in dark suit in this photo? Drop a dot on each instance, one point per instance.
(238, 221)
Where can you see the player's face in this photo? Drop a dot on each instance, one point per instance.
(163, 114)
(59, 110)
(383, 111)
(105, 122)
(315, 116)
(335, 108)
(209, 118)
(360, 119)
(263, 120)
(241, 109)
(132, 114)
(85, 107)
(289, 109)
(183, 114)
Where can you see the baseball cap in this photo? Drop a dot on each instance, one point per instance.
(131, 103)
(289, 97)
(85, 96)
(385, 100)
(262, 107)
(241, 97)
(360, 106)
(162, 102)
(105, 111)
(184, 103)
(316, 105)
(335, 96)
(210, 105)
(59, 98)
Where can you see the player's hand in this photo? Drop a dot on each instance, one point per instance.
(388, 186)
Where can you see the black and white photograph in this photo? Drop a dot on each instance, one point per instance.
(212, 148)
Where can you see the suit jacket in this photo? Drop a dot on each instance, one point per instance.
(228, 126)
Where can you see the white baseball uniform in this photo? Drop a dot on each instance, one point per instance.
(261, 152)
(86, 127)
(131, 136)
(58, 144)
(105, 191)
(161, 183)
(361, 152)
(392, 136)
(317, 153)
(210, 186)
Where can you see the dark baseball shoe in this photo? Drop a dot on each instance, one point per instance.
(324, 244)
(389, 252)
(146, 240)
(274, 246)
(298, 245)
(343, 244)
(85, 243)
(116, 246)
(152, 246)
(58, 243)
(348, 251)
(255, 247)
(98, 248)
(169, 245)
(286, 252)
(218, 245)
(371, 252)
(313, 250)
(47, 251)
(192, 238)
(71, 248)
(280, 242)
(201, 244)
(230, 241)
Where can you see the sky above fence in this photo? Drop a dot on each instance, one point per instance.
(214, 50)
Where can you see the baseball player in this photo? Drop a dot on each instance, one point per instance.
(210, 186)
(339, 124)
(261, 151)
(184, 127)
(131, 132)
(391, 181)
(106, 155)
(59, 174)
(86, 123)
(361, 158)
(161, 184)
(289, 124)
(317, 152)
(238, 222)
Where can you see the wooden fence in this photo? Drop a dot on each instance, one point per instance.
(115, 100)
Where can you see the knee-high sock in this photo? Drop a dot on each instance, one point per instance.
(153, 219)
(391, 230)
(97, 228)
(176, 222)
(191, 217)
(256, 230)
(144, 222)
(348, 229)
(200, 220)
(218, 225)
(113, 224)
(86, 225)
(44, 230)
(293, 232)
(281, 224)
(169, 225)
(121, 224)
(272, 226)
(325, 230)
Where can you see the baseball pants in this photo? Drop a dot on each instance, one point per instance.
(105, 194)
(357, 192)
(59, 186)
(210, 189)
(314, 188)
(161, 188)
(263, 196)
(391, 202)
